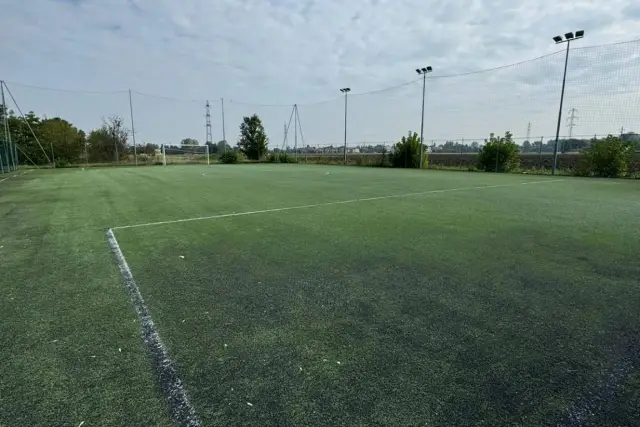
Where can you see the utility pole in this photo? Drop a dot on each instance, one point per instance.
(52, 155)
(568, 37)
(7, 134)
(224, 137)
(528, 131)
(423, 72)
(295, 130)
(345, 90)
(133, 130)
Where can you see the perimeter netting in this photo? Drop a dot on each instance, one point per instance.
(461, 110)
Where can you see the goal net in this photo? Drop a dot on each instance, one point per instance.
(186, 154)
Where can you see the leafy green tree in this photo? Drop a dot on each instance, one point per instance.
(189, 141)
(30, 150)
(253, 140)
(609, 157)
(406, 153)
(527, 147)
(150, 149)
(66, 141)
(109, 141)
(499, 154)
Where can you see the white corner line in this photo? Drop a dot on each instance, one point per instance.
(340, 202)
(182, 412)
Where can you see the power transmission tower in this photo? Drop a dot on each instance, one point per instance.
(528, 131)
(208, 124)
(571, 119)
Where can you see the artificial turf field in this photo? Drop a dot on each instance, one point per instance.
(464, 299)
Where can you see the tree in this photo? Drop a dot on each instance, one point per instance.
(253, 140)
(109, 141)
(65, 140)
(475, 147)
(189, 141)
(21, 135)
(223, 146)
(406, 153)
(609, 157)
(526, 147)
(499, 154)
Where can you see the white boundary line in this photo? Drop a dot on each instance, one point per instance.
(316, 205)
(16, 175)
(182, 412)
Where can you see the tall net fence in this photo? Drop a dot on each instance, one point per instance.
(602, 97)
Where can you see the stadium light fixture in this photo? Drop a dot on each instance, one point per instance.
(568, 38)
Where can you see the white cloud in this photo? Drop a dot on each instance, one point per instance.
(285, 51)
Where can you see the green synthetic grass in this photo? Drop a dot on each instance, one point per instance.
(505, 304)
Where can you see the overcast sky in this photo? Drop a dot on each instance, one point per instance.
(286, 51)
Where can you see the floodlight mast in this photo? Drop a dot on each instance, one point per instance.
(345, 90)
(423, 71)
(568, 38)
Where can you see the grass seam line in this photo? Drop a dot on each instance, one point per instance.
(182, 411)
(315, 205)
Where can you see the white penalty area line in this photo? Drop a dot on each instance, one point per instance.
(182, 411)
(340, 202)
(15, 175)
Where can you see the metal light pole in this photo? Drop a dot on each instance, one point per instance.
(423, 72)
(345, 90)
(133, 129)
(568, 38)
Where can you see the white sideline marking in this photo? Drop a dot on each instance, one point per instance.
(182, 412)
(316, 205)
(16, 175)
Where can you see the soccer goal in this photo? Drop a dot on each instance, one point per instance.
(185, 154)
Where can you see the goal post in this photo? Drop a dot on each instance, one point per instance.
(186, 154)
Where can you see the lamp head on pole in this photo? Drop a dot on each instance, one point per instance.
(569, 37)
(345, 90)
(424, 70)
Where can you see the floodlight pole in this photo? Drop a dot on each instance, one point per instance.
(564, 81)
(133, 129)
(345, 90)
(424, 87)
(423, 72)
(569, 37)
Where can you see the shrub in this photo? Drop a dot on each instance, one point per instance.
(499, 154)
(406, 153)
(607, 158)
(229, 157)
(281, 158)
(384, 158)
